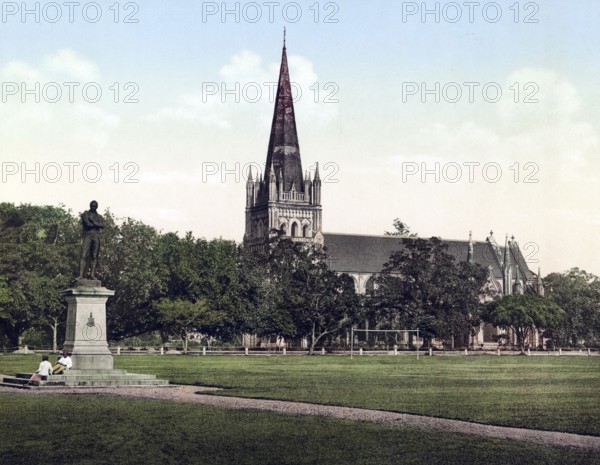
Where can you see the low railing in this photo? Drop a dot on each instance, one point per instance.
(292, 196)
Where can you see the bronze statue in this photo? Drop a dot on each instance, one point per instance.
(92, 224)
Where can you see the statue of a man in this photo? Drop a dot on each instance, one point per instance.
(92, 224)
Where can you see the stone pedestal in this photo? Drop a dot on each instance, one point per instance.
(86, 326)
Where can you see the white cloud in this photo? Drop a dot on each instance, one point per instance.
(245, 66)
(193, 110)
(19, 71)
(247, 86)
(537, 96)
(548, 132)
(66, 62)
(69, 118)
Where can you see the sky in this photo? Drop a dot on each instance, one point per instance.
(452, 116)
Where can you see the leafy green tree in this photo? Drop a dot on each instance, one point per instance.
(219, 272)
(130, 265)
(578, 294)
(306, 298)
(330, 307)
(421, 286)
(321, 301)
(182, 318)
(401, 229)
(523, 313)
(44, 300)
(15, 314)
(260, 310)
(39, 255)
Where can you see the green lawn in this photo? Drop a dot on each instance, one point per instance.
(86, 430)
(550, 393)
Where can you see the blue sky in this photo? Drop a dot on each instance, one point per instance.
(362, 115)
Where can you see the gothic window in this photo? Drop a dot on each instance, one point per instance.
(370, 286)
(305, 230)
(283, 229)
(294, 229)
(260, 230)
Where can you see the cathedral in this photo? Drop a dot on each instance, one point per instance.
(289, 201)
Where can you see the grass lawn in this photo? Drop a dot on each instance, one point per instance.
(550, 393)
(86, 430)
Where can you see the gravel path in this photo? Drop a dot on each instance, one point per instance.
(193, 394)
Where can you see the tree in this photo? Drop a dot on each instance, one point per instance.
(291, 292)
(401, 229)
(130, 264)
(260, 310)
(43, 297)
(421, 286)
(183, 317)
(321, 301)
(15, 315)
(39, 255)
(305, 292)
(578, 294)
(219, 269)
(523, 313)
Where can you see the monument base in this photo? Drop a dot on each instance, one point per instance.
(86, 326)
(86, 342)
(85, 378)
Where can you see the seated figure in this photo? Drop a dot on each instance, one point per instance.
(64, 363)
(44, 370)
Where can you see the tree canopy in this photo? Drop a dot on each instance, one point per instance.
(179, 284)
(422, 286)
(578, 294)
(522, 313)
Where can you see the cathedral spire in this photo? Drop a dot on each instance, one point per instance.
(282, 198)
(470, 252)
(284, 151)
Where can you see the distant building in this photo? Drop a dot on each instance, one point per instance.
(288, 201)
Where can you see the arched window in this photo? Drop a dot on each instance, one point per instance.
(370, 286)
(294, 229)
(305, 230)
(283, 229)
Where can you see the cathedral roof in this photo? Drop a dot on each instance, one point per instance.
(283, 154)
(353, 253)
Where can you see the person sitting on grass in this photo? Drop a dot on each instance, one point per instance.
(44, 370)
(63, 363)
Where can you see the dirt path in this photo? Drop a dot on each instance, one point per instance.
(193, 394)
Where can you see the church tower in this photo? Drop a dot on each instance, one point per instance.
(283, 199)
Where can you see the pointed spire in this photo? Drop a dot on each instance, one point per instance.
(270, 182)
(284, 150)
(519, 288)
(470, 252)
(250, 189)
(317, 177)
(284, 34)
(540, 283)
